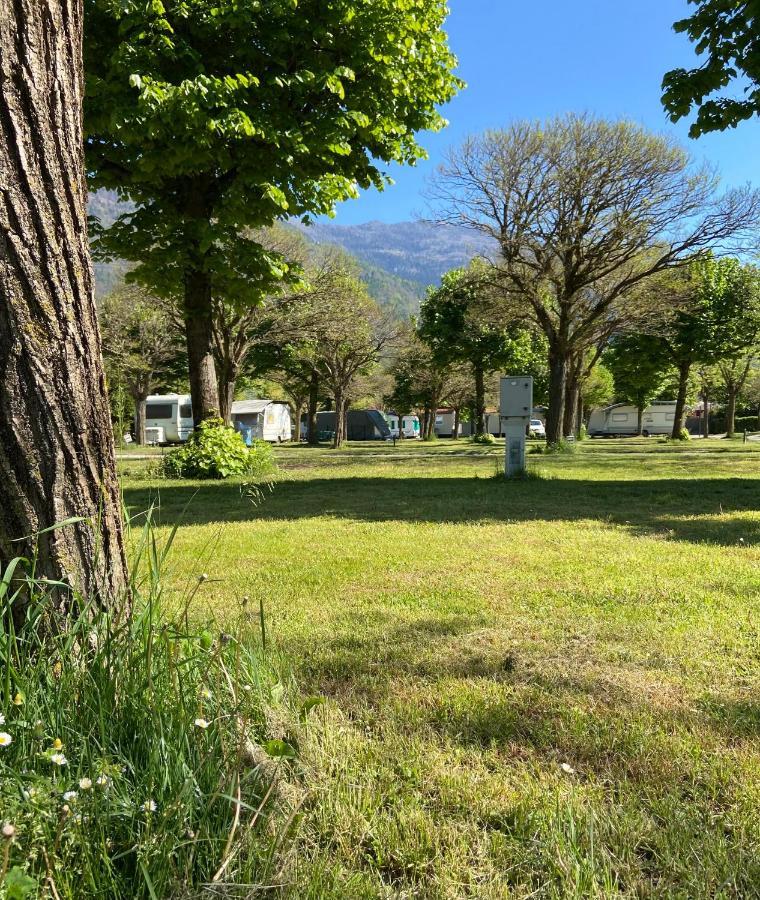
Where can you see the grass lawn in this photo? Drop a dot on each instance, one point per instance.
(544, 688)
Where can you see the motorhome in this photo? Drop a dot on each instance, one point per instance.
(361, 425)
(168, 418)
(262, 420)
(622, 419)
(410, 426)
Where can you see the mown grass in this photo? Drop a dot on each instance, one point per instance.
(542, 688)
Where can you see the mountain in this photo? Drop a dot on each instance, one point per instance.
(417, 252)
(397, 262)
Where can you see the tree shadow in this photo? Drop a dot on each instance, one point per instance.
(691, 510)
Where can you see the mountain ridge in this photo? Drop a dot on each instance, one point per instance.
(397, 261)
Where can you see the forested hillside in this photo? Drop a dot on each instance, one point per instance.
(397, 262)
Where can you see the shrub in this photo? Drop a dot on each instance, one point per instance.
(136, 758)
(214, 450)
(483, 439)
(562, 446)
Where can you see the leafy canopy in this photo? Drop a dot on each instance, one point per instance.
(727, 33)
(214, 115)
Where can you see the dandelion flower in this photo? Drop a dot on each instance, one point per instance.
(201, 723)
(567, 769)
(85, 784)
(149, 806)
(57, 744)
(70, 795)
(102, 781)
(5, 739)
(18, 700)
(66, 809)
(9, 831)
(58, 759)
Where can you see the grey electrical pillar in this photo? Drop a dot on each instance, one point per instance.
(515, 409)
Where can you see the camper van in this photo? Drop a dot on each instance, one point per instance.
(621, 420)
(410, 426)
(262, 420)
(168, 418)
(361, 425)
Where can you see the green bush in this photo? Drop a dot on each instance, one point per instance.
(136, 751)
(216, 451)
(483, 439)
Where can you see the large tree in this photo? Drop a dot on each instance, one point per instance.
(56, 443)
(716, 317)
(580, 211)
(454, 321)
(140, 346)
(735, 373)
(348, 339)
(640, 370)
(727, 36)
(213, 117)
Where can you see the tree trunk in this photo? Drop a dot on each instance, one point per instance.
(456, 423)
(199, 334)
(340, 419)
(639, 420)
(226, 388)
(572, 398)
(140, 419)
(557, 392)
(480, 399)
(313, 435)
(579, 415)
(705, 414)
(731, 411)
(56, 441)
(683, 385)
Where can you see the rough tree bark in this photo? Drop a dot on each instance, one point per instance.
(683, 385)
(555, 416)
(199, 334)
(140, 418)
(313, 434)
(56, 441)
(227, 381)
(340, 418)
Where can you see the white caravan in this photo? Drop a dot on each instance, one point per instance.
(621, 419)
(409, 424)
(168, 418)
(262, 420)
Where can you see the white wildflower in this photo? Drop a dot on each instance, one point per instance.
(567, 769)
(70, 795)
(149, 806)
(5, 739)
(58, 759)
(85, 784)
(201, 723)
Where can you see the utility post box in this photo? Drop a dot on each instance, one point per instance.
(515, 409)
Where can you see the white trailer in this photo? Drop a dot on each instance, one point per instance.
(168, 418)
(445, 421)
(621, 420)
(410, 425)
(262, 420)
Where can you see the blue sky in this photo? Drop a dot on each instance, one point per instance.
(539, 58)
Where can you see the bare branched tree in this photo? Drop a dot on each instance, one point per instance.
(580, 211)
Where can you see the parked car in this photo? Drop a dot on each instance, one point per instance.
(536, 428)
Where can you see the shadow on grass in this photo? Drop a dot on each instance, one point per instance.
(679, 509)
